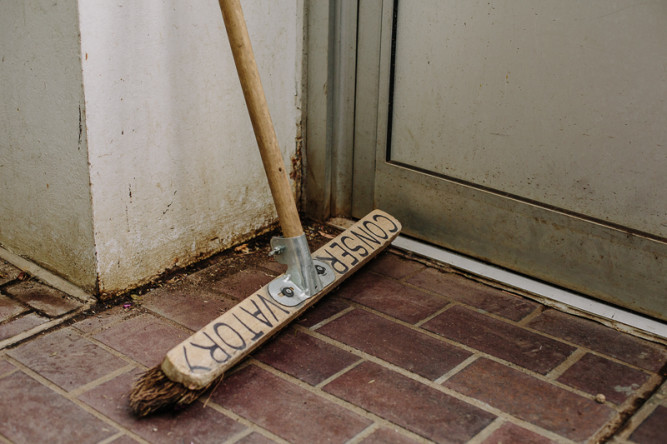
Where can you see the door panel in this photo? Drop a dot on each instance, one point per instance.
(528, 134)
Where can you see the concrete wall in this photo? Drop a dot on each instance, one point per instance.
(174, 170)
(45, 211)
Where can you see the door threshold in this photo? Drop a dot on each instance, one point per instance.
(550, 295)
(547, 294)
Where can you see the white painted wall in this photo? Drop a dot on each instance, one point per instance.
(175, 171)
(45, 211)
(166, 169)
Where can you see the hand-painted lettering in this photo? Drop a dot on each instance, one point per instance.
(218, 325)
(258, 314)
(212, 349)
(338, 266)
(376, 218)
(274, 304)
(193, 368)
(366, 237)
(384, 234)
(344, 253)
(256, 335)
(345, 241)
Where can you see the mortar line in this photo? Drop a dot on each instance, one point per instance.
(486, 355)
(532, 315)
(42, 327)
(591, 351)
(85, 407)
(416, 377)
(374, 417)
(238, 436)
(435, 314)
(561, 368)
(75, 393)
(254, 427)
(369, 430)
(466, 362)
(117, 353)
(47, 277)
(111, 438)
(332, 318)
(339, 373)
(487, 431)
(338, 401)
(130, 315)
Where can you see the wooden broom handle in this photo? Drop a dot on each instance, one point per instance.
(258, 109)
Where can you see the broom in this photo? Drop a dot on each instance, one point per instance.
(200, 361)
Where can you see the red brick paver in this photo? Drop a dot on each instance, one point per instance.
(401, 353)
(602, 339)
(458, 288)
(144, 338)
(391, 297)
(417, 407)
(305, 357)
(653, 429)
(397, 344)
(21, 324)
(32, 413)
(66, 358)
(509, 433)
(387, 436)
(532, 400)
(595, 374)
(10, 308)
(500, 339)
(41, 297)
(281, 407)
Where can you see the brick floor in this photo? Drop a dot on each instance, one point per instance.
(595, 374)
(602, 339)
(402, 353)
(500, 339)
(510, 433)
(532, 399)
(28, 306)
(400, 345)
(21, 324)
(66, 358)
(10, 308)
(32, 413)
(193, 424)
(461, 289)
(410, 404)
(652, 430)
(41, 297)
(391, 297)
(144, 338)
(281, 407)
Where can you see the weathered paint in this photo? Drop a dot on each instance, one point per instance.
(152, 162)
(45, 212)
(175, 171)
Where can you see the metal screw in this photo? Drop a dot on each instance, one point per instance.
(277, 250)
(287, 291)
(320, 269)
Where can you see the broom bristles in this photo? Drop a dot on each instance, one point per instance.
(154, 392)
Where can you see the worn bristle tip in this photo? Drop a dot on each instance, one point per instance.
(154, 392)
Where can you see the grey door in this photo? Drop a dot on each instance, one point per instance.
(529, 134)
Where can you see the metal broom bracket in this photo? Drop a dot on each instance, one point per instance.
(305, 276)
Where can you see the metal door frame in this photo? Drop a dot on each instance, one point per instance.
(511, 232)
